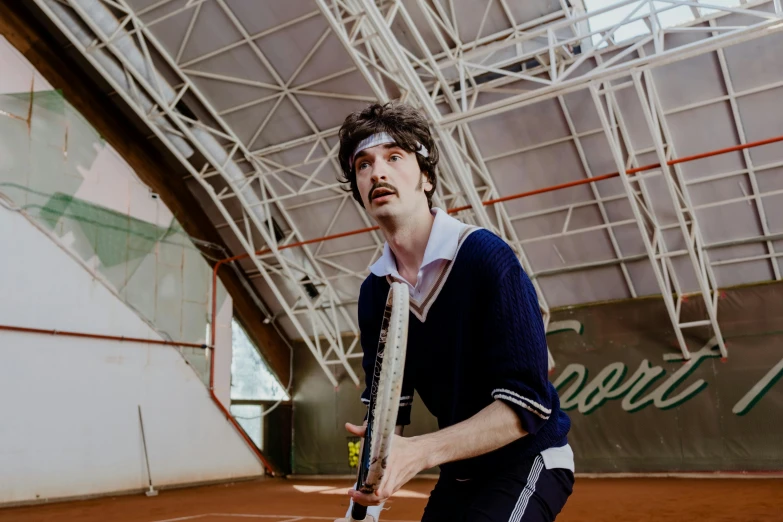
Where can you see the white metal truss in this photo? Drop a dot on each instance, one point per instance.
(751, 172)
(684, 208)
(111, 48)
(649, 223)
(414, 51)
(367, 35)
(558, 69)
(567, 71)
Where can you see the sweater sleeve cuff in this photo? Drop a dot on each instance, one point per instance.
(531, 414)
(404, 414)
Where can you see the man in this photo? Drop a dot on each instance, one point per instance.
(476, 350)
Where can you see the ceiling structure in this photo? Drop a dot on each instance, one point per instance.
(567, 128)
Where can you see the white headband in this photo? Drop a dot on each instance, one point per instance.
(381, 139)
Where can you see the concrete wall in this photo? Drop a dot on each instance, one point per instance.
(56, 167)
(85, 246)
(69, 423)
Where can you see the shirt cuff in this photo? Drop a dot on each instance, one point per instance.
(532, 414)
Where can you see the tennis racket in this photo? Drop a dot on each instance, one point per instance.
(384, 394)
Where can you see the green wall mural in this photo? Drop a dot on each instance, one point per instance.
(58, 171)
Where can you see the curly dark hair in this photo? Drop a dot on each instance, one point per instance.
(405, 124)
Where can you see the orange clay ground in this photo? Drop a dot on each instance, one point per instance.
(290, 500)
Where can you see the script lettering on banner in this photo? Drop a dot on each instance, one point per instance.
(578, 391)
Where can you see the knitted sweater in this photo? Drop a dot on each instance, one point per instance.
(482, 339)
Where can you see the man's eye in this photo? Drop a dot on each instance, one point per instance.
(362, 165)
(396, 157)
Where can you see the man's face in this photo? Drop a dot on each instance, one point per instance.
(390, 181)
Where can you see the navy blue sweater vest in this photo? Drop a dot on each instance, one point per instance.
(483, 340)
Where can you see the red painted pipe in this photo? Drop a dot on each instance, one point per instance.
(229, 417)
(265, 251)
(212, 334)
(99, 336)
(552, 188)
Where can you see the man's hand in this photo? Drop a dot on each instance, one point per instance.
(404, 461)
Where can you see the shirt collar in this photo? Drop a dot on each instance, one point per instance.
(442, 244)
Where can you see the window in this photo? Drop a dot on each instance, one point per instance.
(253, 386)
(251, 378)
(669, 15)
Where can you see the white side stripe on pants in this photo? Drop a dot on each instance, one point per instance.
(527, 491)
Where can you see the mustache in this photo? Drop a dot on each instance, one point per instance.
(378, 185)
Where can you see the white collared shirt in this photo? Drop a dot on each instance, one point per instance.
(441, 248)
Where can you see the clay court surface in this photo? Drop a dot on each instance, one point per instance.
(280, 500)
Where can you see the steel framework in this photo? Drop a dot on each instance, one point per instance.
(134, 72)
(422, 52)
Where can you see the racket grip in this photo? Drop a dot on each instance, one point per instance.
(358, 512)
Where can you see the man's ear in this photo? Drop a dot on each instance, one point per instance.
(427, 183)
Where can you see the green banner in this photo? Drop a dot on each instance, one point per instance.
(637, 404)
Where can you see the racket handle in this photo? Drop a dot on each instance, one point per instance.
(358, 512)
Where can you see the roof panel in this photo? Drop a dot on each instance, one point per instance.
(553, 223)
(762, 118)
(525, 12)
(643, 278)
(176, 23)
(743, 273)
(702, 74)
(139, 5)
(213, 30)
(263, 17)
(773, 205)
(765, 66)
(705, 129)
(246, 121)
(526, 127)
(633, 118)
(478, 19)
(730, 221)
(685, 274)
(229, 96)
(586, 246)
(285, 124)
(240, 61)
(655, 194)
(582, 110)
(328, 112)
(331, 58)
(598, 284)
(536, 169)
(600, 161)
(419, 19)
(628, 238)
(286, 50)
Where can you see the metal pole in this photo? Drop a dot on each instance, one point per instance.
(151, 492)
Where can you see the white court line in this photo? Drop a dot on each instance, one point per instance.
(287, 518)
(184, 518)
